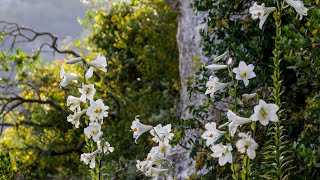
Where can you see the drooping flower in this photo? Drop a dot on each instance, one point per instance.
(223, 153)
(162, 134)
(265, 112)
(67, 77)
(212, 134)
(97, 110)
(106, 148)
(298, 7)
(261, 12)
(247, 145)
(74, 118)
(139, 128)
(73, 103)
(94, 131)
(235, 122)
(87, 92)
(214, 85)
(155, 156)
(100, 63)
(244, 72)
(89, 158)
(215, 67)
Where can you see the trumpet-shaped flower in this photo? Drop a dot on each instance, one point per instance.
(162, 134)
(67, 77)
(89, 158)
(244, 72)
(97, 110)
(215, 67)
(247, 145)
(265, 112)
(74, 118)
(223, 153)
(94, 131)
(212, 134)
(105, 148)
(214, 85)
(261, 12)
(298, 7)
(155, 156)
(73, 103)
(139, 128)
(235, 122)
(87, 92)
(100, 63)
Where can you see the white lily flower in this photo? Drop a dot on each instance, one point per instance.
(214, 85)
(97, 110)
(215, 67)
(265, 112)
(89, 158)
(87, 92)
(298, 7)
(162, 134)
(235, 122)
(100, 63)
(164, 148)
(67, 77)
(212, 134)
(155, 172)
(247, 145)
(74, 60)
(94, 131)
(73, 103)
(248, 97)
(143, 166)
(229, 62)
(244, 72)
(261, 12)
(74, 118)
(106, 148)
(223, 153)
(154, 156)
(139, 128)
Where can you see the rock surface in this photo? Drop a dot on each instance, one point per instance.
(189, 44)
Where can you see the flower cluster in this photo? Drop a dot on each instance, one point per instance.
(157, 163)
(96, 110)
(245, 143)
(261, 12)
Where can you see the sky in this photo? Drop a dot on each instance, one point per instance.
(59, 17)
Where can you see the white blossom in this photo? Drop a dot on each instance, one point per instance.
(74, 118)
(105, 148)
(89, 158)
(139, 128)
(94, 131)
(162, 134)
(214, 85)
(235, 122)
(97, 110)
(247, 145)
(265, 112)
(67, 77)
(73, 103)
(298, 7)
(100, 63)
(87, 92)
(244, 72)
(261, 12)
(218, 58)
(212, 134)
(223, 153)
